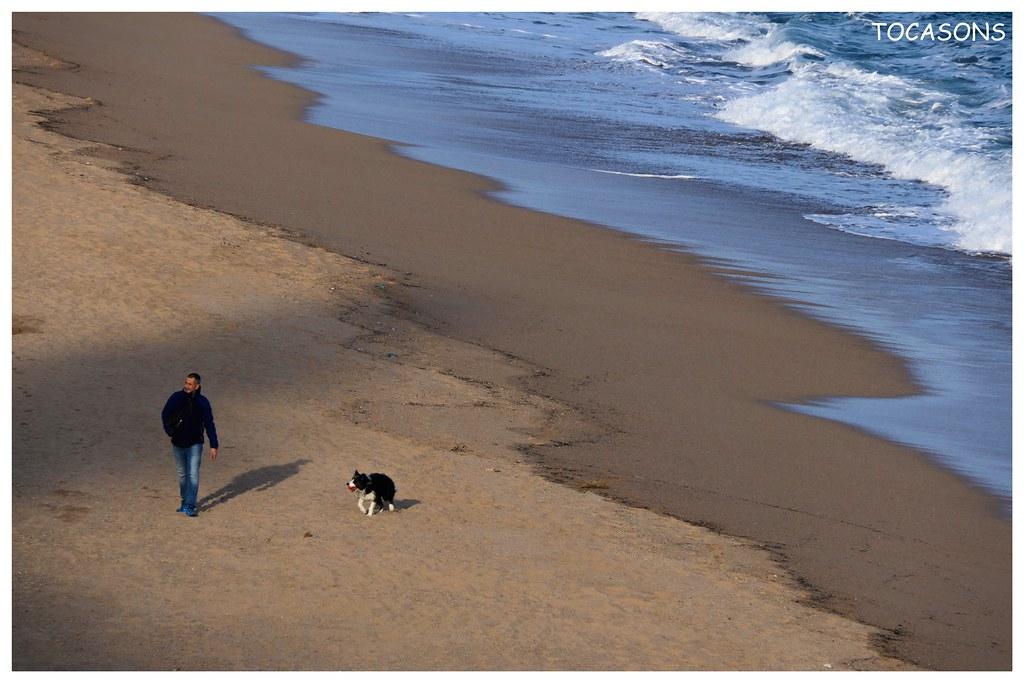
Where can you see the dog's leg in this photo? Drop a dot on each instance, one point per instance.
(391, 507)
(373, 504)
(361, 508)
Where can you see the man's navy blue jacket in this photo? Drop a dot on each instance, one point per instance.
(185, 416)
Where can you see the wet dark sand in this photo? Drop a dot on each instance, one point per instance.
(670, 368)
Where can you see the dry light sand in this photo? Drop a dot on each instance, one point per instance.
(119, 291)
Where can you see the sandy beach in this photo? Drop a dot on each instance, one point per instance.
(554, 400)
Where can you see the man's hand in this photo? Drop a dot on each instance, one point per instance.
(213, 454)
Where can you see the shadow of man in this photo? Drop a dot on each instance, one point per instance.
(259, 479)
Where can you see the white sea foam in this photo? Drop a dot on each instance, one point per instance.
(889, 222)
(645, 175)
(914, 132)
(654, 53)
(709, 26)
(887, 121)
(761, 43)
(854, 76)
(765, 51)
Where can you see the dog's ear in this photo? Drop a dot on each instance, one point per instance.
(355, 474)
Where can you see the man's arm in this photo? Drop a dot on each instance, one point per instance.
(165, 414)
(211, 428)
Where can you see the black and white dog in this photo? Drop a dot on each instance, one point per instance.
(376, 488)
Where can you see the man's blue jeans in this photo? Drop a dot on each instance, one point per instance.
(187, 461)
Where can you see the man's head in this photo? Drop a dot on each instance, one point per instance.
(192, 382)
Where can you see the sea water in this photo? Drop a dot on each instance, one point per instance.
(882, 156)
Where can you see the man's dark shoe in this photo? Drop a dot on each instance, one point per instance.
(192, 512)
(181, 508)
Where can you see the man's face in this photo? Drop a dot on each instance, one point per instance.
(190, 385)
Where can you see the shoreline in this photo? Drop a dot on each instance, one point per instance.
(764, 505)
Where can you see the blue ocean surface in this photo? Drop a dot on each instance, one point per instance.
(884, 163)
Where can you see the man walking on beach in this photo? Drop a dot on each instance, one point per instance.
(186, 415)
